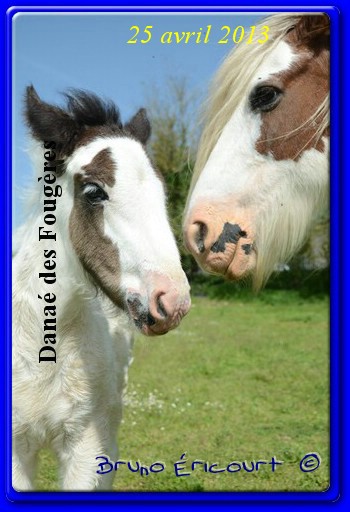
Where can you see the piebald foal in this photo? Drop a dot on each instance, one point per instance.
(112, 236)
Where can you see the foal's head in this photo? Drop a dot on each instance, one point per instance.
(117, 222)
(261, 174)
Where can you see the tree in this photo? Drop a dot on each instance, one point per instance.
(174, 135)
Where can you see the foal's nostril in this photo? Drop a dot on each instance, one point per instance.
(149, 320)
(200, 236)
(160, 308)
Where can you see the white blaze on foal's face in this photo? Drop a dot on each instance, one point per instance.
(264, 171)
(144, 241)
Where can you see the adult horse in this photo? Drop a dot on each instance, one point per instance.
(97, 223)
(261, 176)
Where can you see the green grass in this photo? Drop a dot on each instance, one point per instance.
(238, 381)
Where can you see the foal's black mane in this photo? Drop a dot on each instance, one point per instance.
(84, 117)
(88, 109)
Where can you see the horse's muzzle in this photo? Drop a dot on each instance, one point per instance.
(220, 246)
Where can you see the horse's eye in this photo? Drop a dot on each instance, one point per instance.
(94, 193)
(265, 98)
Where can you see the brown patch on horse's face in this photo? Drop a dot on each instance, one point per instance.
(101, 168)
(306, 84)
(96, 251)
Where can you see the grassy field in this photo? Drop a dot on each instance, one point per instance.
(238, 381)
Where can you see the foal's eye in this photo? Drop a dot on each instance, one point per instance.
(265, 98)
(94, 193)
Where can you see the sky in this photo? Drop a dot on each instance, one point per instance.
(90, 51)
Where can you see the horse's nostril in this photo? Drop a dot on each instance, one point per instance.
(160, 308)
(200, 236)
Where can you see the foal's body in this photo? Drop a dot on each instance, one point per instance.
(75, 404)
(115, 262)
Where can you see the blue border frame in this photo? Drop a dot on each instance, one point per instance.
(337, 494)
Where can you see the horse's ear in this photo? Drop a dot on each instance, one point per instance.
(48, 122)
(313, 30)
(139, 126)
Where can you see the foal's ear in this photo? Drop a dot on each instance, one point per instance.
(313, 30)
(48, 122)
(139, 126)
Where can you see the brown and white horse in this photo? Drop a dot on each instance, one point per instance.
(97, 222)
(262, 171)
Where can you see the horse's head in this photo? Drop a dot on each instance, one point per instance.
(261, 174)
(115, 214)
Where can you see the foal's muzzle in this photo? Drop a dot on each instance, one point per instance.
(163, 310)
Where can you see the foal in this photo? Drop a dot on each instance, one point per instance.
(98, 223)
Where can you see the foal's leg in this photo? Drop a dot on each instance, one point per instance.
(78, 459)
(24, 459)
